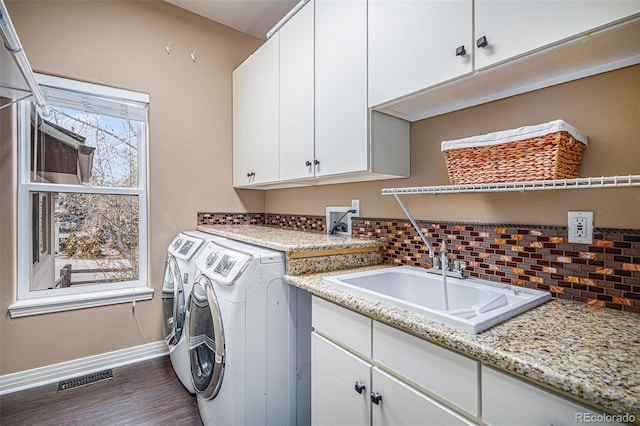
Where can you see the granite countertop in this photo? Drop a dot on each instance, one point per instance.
(587, 352)
(288, 240)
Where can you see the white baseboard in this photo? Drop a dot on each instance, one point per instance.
(79, 367)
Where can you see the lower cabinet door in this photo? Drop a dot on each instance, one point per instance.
(400, 404)
(509, 401)
(340, 385)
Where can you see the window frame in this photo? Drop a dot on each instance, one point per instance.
(33, 302)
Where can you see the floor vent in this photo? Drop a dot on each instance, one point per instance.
(85, 380)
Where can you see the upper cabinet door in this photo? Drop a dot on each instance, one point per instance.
(297, 95)
(512, 28)
(266, 117)
(341, 87)
(412, 45)
(242, 128)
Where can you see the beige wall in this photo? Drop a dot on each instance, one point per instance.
(122, 44)
(605, 107)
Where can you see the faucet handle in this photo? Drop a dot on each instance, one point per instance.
(459, 265)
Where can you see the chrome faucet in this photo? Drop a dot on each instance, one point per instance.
(443, 265)
(444, 257)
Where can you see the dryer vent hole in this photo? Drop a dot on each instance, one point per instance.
(85, 380)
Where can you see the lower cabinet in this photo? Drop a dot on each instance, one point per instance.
(347, 390)
(401, 404)
(348, 387)
(507, 400)
(364, 372)
(335, 377)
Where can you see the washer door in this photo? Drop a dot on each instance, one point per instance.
(173, 302)
(206, 339)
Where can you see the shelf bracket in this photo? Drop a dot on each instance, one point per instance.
(415, 226)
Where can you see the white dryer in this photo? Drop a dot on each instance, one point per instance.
(242, 332)
(179, 275)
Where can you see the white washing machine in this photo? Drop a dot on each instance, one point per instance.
(179, 276)
(246, 364)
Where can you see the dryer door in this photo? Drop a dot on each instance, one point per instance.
(173, 302)
(206, 339)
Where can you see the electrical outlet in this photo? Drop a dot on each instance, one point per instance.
(355, 205)
(580, 227)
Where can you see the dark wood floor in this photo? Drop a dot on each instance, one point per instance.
(146, 393)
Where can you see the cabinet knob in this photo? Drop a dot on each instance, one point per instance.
(461, 51)
(316, 162)
(251, 174)
(482, 42)
(376, 398)
(308, 163)
(360, 387)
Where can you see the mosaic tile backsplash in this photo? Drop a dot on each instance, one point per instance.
(605, 273)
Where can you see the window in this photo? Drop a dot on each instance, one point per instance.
(82, 198)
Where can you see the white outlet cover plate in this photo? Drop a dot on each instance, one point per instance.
(580, 226)
(355, 205)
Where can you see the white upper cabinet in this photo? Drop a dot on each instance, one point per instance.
(510, 47)
(242, 129)
(416, 44)
(256, 117)
(512, 28)
(297, 96)
(266, 117)
(301, 114)
(341, 87)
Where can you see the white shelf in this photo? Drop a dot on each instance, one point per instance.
(537, 185)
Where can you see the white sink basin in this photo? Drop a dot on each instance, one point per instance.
(473, 305)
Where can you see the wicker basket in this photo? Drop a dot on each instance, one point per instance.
(543, 152)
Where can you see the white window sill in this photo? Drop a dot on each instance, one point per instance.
(46, 305)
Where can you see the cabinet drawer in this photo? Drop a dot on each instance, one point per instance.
(445, 373)
(507, 400)
(347, 327)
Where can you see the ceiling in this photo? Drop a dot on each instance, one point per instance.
(254, 17)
